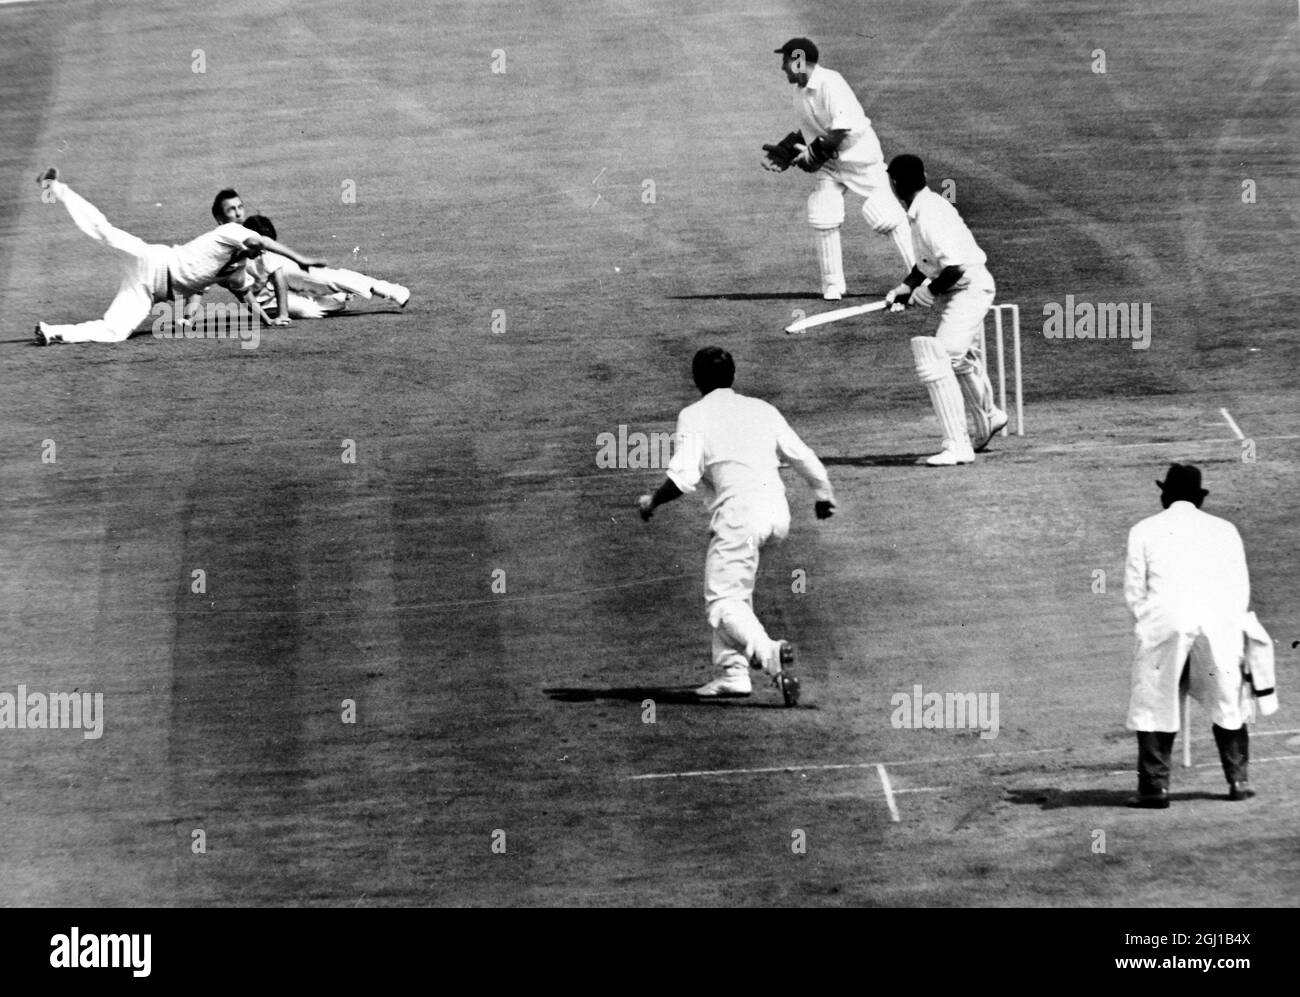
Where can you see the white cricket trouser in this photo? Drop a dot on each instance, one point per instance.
(143, 268)
(312, 305)
(739, 531)
(962, 310)
(880, 207)
(322, 281)
(961, 319)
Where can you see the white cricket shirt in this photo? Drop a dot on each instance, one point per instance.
(828, 104)
(260, 269)
(735, 445)
(939, 237)
(209, 259)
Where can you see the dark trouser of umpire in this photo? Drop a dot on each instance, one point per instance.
(1156, 748)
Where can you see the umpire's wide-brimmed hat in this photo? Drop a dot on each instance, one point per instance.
(1183, 482)
(804, 45)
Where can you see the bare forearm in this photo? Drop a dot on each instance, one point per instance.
(281, 294)
(297, 257)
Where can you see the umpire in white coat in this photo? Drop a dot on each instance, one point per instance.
(1186, 583)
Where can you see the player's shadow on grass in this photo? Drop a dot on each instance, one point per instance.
(675, 695)
(876, 460)
(1050, 798)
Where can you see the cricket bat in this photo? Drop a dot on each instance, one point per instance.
(803, 325)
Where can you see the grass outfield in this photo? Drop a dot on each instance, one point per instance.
(573, 229)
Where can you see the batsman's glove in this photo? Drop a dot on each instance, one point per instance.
(824, 508)
(781, 155)
(903, 295)
(898, 297)
(815, 155)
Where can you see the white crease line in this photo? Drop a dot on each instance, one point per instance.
(923, 789)
(889, 794)
(836, 767)
(1215, 764)
(1232, 423)
(1253, 734)
(1070, 447)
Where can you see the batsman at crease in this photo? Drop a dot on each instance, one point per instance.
(949, 273)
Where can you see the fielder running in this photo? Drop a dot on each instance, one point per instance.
(323, 291)
(837, 143)
(153, 273)
(735, 446)
(949, 272)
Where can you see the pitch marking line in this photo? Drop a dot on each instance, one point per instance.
(1215, 764)
(889, 794)
(1253, 734)
(1232, 423)
(841, 767)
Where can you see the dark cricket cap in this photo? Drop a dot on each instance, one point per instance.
(1183, 481)
(804, 45)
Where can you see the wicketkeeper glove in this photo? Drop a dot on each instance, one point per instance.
(815, 155)
(781, 155)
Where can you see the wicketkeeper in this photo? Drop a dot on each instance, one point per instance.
(837, 144)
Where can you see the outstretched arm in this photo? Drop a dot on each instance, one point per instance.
(262, 242)
(800, 456)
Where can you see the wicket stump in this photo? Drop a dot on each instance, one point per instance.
(1013, 316)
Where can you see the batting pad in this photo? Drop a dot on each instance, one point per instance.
(883, 212)
(932, 363)
(826, 206)
(886, 216)
(978, 392)
(830, 257)
(935, 371)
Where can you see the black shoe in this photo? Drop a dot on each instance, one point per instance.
(1159, 800)
(51, 174)
(1240, 791)
(786, 679)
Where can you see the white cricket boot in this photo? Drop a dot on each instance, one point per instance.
(951, 455)
(735, 682)
(393, 292)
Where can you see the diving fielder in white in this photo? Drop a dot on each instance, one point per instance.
(288, 292)
(153, 273)
(844, 153)
(322, 292)
(949, 274)
(735, 445)
(1186, 583)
